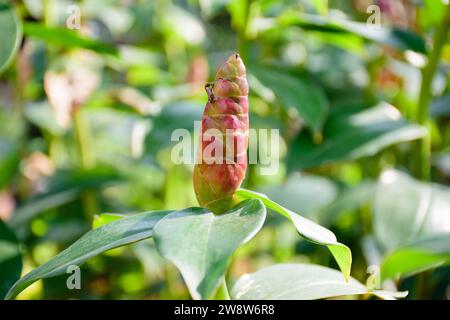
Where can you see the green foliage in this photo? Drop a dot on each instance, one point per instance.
(395, 37)
(10, 259)
(63, 187)
(109, 236)
(300, 282)
(351, 135)
(417, 256)
(406, 210)
(11, 35)
(295, 91)
(86, 121)
(200, 243)
(65, 39)
(309, 230)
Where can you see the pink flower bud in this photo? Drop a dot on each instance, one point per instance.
(225, 119)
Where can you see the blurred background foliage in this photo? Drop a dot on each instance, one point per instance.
(86, 118)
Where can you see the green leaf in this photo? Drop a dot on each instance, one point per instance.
(299, 282)
(200, 243)
(105, 218)
(308, 229)
(440, 107)
(40, 204)
(294, 91)
(66, 38)
(10, 259)
(238, 11)
(411, 224)
(431, 14)
(420, 255)
(42, 115)
(12, 134)
(352, 135)
(115, 234)
(63, 187)
(395, 37)
(406, 210)
(9, 160)
(10, 36)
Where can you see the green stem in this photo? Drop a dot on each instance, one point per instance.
(423, 147)
(423, 285)
(87, 161)
(56, 148)
(242, 38)
(83, 136)
(49, 12)
(222, 292)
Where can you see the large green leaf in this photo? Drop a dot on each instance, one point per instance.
(352, 135)
(406, 210)
(200, 243)
(115, 234)
(66, 38)
(10, 259)
(299, 282)
(398, 38)
(420, 255)
(412, 224)
(309, 230)
(294, 91)
(10, 36)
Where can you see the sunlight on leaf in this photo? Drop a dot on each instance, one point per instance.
(398, 38)
(10, 36)
(308, 229)
(200, 243)
(66, 38)
(105, 218)
(350, 134)
(109, 236)
(421, 255)
(300, 282)
(406, 209)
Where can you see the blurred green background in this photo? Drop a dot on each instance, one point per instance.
(360, 94)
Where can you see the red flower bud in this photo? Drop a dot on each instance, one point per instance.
(223, 138)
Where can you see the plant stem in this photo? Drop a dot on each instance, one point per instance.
(87, 161)
(83, 136)
(222, 292)
(242, 38)
(49, 12)
(423, 147)
(423, 287)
